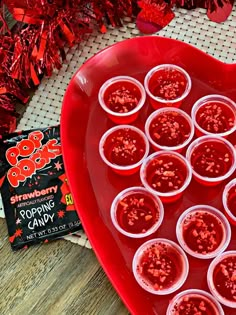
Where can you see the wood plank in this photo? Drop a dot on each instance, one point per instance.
(54, 278)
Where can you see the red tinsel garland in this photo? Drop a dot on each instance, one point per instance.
(37, 45)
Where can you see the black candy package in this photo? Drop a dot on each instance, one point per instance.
(36, 197)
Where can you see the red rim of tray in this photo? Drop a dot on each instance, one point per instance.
(94, 186)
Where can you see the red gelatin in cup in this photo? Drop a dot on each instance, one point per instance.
(215, 117)
(212, 158)
(224, 277)
(123, 148)
(160, 266)
(169, 129)
(121, 98)
(167, 85)
(135, 212)
(203, 231)
(221, 278)
(166, 174)
(214, 114)
(229, 201)
(192, 302)
(195, 304)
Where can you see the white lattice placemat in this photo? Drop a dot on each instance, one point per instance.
(192, 27)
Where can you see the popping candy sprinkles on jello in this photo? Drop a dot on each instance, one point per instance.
(36, 196)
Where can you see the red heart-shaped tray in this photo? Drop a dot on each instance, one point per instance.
(94, 186)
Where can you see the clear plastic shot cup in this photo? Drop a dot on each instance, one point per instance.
(123, 148)
(169, 129)
(212, 158)
(166, 174)
(221, 278)
(203, 231)
(229, 201)
(136, 213)
(214, 114)
(167, 85)
(122, 97)
(160, 266)
(194, 301)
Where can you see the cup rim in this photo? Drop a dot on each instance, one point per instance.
(224, 198)
(206, 208)
(125, 167)
(202, 101)
(202, 139)
(172, 66)
(125, 193)
(199, 292)
(166, 152)
(210, 282)
(169, 109)
(182, 277)
(122, 78)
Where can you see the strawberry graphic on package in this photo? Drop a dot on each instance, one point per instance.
(36, 197)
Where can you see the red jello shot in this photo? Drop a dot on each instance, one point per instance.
(229, 201)
(136, 213)
(214, 114)
(213, 159)
(193, 302)
(160, 266)
(166, 174)
(221, 278)
(121, 98)
(203, 231)
(169, 129)
(167, 85)
(123, 148)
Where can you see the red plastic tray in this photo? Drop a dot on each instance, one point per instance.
(94, 186)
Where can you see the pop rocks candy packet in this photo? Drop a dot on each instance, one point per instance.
(36, 197)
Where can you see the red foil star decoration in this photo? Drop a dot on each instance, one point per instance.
(154, 15)
(219, 10)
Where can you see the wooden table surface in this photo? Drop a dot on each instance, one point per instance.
(54, 279)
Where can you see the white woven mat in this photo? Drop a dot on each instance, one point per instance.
(192, 27)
